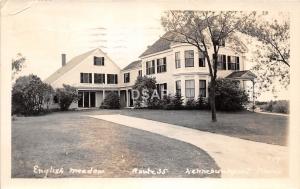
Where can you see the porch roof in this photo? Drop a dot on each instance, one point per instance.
(242, 75)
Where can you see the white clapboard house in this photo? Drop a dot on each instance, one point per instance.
(177, 67)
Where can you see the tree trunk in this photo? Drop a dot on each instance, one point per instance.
(213, 100)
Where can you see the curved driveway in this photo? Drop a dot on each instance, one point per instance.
(236, 157)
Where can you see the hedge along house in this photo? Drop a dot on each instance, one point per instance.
(94, 75)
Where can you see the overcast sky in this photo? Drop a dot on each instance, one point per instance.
(44, 29)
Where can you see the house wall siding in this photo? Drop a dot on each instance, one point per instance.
(72, 77)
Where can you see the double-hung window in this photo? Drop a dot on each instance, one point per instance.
(140, 73)
(189, 58)
(201, 60)
(177, 60)
(221, 62)
(99, 78)
(190, 89)
(112, 79)
(150, 67)
(162, 89)
(98, 61)
(85, 78)
(161, 65)
(178, 87)
(126, 77)
(233, 62)
(202, 88)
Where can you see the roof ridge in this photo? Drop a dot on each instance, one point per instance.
(69, 65)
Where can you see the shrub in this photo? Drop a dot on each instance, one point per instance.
(166, 99)
(201, 103)
(29, 94)
(66, 96)
(177, 101)
(154, 103)
(111, 101)
(191, 104)
(229, 96)
(281, 106)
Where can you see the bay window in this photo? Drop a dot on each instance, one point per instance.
(189, 58)
(190, 89)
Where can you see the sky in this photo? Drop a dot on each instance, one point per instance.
(41, 30)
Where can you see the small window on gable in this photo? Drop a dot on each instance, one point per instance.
(98, 61)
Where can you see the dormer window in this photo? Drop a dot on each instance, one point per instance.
(98, 61)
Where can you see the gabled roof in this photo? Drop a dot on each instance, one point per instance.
(244, 75)
(160, 45)
(133, 65)
(163, 44)
(69, 65)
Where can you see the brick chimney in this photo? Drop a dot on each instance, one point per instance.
(63, 60)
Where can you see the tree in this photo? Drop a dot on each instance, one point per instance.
(272, 51)
(48, 94)
(145, 87)
(66, 96)
(205, 30)
(229, 96)
(17, 64)
(29, 95)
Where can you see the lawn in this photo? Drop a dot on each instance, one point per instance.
(271, 129)
(71, 144)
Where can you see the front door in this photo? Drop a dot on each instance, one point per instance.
(130, 98)
(92, 99)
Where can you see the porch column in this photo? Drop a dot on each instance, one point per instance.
(127, 98)
(253, 95)
(119, 93)
(197, 87)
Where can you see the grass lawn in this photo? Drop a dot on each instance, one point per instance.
(271, 129)
(78, 143)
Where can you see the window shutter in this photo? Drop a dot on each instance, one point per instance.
(94, 60)
(229, 62)
(224, 62)
(157, 65)
(102, 60)
(90, 78)
(165, 64)
(238, 63)
(81, 77)
(116, 77)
